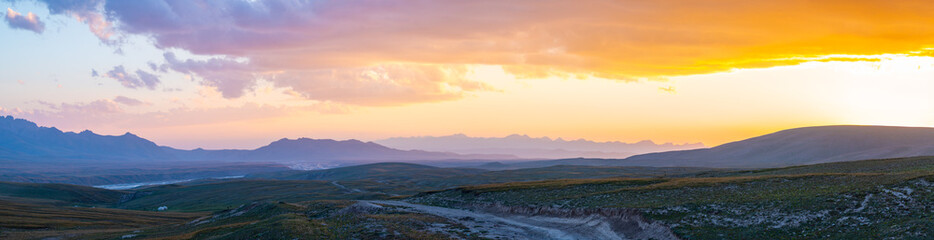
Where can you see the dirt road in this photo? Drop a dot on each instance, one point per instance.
(503, 224)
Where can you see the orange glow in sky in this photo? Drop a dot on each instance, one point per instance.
(668, 71)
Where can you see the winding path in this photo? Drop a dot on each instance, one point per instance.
(523, 227)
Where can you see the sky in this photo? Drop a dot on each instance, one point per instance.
(242, 73)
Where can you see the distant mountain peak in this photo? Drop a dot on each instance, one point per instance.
(523, 145)
(518, 136)
(308, 149)
(306, 140)
(33, 142)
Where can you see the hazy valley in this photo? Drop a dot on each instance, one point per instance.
(480, 119)
(371, 191)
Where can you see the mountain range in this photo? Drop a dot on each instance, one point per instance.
(524, 146)
(22, 140)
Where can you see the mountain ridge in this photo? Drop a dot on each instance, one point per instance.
(806, 145)
(21, 139)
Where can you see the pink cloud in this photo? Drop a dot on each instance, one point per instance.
(139, 79)
(387, 84)
(89, 12)
(80, 115)
(62, 113)
(277, 37)
(128, 101)
(230, 77)
(29, 22)
(106, 113)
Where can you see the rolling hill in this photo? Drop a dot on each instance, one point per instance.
(803, 146)
(407, 178)
(66, 193)
(869, 199)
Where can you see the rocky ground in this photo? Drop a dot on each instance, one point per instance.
(502, 222)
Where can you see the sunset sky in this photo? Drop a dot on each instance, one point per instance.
(242, 73)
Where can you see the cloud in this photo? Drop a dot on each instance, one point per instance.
(146, 79)
(669, 89)
(29, 22)
(102, 107)
(387, 84)
(230, 77)
(79, 115)
(89, 12)
(626, 40)
(140, 79)
(128, 101)
(106, 113)
(650, 39)
(158, 68)
(21, 82)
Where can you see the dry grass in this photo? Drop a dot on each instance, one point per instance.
(192, 234)
(562, 183)
(25, 219)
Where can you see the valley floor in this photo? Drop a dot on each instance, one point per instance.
(874, 199)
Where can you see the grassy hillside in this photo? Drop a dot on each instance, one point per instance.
(579, 172)
(225, 195)
(130, 173)
(894, 165)
(22, 218)
(799, 146)
(65, 193)
(875, 199)
(242, 209)
(324, 219)
(407, 178)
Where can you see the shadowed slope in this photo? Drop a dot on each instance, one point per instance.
(803, 146)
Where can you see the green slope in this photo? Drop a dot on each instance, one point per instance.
(230, 194)
(407, 178)
(62, 192)
(865, 199)
(873, 199)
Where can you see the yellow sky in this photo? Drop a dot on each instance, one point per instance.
(710, 108)
(627, 70)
